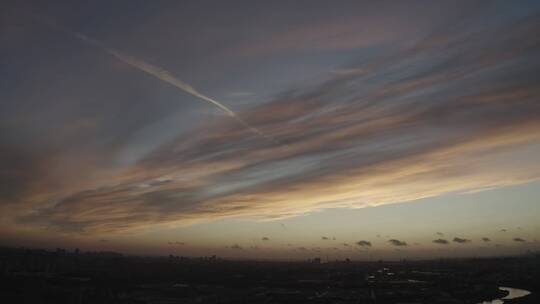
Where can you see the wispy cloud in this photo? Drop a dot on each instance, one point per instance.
(355, 140)
(158, 73)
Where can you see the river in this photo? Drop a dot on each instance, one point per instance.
(513, 293)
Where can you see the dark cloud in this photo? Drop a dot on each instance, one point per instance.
(265, 239)
(461, 240)
(441, 241)
(395, 242)
(517, 239)
(503, 230)
(364, 243)
(324, 238)
(486, 239)
(236, 246)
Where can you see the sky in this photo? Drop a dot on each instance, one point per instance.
(271, 130)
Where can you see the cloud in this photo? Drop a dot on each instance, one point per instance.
(486, 239)
(440, 234)
(241, 94)
(236, 247)
(517, 239)
(440, 241)
(461, 240)
(354, 140)
(364, 243)
(324, 238)
(503, 230)
(395, 242)
(160, 74)
(265, 239)
(349, 71)
(335, 32)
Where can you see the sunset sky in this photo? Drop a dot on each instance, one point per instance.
(271, 129)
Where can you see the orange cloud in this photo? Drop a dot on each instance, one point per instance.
(354, 141)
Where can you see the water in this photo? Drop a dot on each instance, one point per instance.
(513, 293)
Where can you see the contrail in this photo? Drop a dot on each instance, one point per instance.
(162, 75)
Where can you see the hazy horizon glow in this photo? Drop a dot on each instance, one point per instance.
(366, 130)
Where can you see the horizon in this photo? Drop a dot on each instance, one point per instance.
(321, 259)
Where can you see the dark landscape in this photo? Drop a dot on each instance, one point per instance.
(41, 276)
